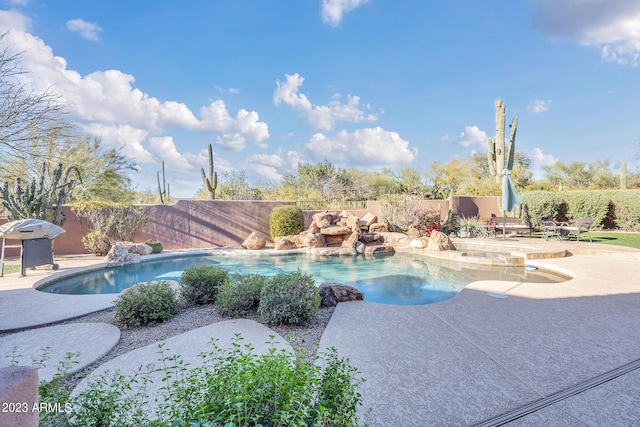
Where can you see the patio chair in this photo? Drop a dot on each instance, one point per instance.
(580, 225)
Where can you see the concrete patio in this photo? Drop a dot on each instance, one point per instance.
(495, 348)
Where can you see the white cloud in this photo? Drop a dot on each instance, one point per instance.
(333, 10)
(540, 159)
(445, 137)
(472, 135)
(19, 2)
(612, 25)
(270, 166)
(363, 147)
(106, 103)
(321, 117)
(166, 150)
(539, 106)
(87, 30)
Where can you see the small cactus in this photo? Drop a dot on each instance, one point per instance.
(210, 182)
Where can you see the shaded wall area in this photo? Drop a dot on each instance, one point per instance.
(218, 223)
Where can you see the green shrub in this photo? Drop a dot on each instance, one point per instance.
(105, 223)
(286, 221)
(156, 245)
(146, 304)
(586, 203)
(626, 209)
(290, 298)
(240, 294)
(200, 283)
(234, 386)
(541, 204)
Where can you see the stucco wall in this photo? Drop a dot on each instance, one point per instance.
(217, 223)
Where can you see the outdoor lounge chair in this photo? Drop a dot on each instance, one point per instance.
(580, 225)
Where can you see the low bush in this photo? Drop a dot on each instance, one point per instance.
(541, 204)
(626, 209)
(286, 221)
(586, 203)
(289, 298)
(146, 303)
(234, 386)
(425, 221)
(200, 283)
(240, 294)
(398, 212)
(105, 223)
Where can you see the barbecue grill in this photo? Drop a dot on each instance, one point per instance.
(36, 242)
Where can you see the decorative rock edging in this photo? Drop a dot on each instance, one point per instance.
(123, 253)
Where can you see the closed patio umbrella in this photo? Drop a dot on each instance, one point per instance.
(510, 197)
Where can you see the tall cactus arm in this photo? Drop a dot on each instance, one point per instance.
(512, 143)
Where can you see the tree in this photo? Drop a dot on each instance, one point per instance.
(104, 173)
(580, 175)
(26, 114)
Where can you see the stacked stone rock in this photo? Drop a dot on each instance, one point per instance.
(339, 233)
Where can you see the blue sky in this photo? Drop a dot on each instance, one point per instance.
(363, 83)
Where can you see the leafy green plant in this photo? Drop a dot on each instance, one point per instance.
(290, 298)
(201, 283)
(240, 294)
(626, 210)
(541, 204)
(286, 221)
(586, 203)
(105, 223)
(237, 387)
(146, 303)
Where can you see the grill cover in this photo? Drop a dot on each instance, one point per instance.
(28, 229)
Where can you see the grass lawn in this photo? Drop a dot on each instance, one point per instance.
(11, 268)
(631, 240)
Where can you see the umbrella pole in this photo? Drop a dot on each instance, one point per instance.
(504, 226)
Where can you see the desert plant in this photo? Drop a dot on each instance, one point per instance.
(286, 221)
(156, 245)
(398, 212)
(146, 303)
(500, 156)
(240, 294)
(469, 226)
(105, 223)
(626, 210)
(201, 283)
(289, 298)
(39, 199)
(585, 203)
(211, 181)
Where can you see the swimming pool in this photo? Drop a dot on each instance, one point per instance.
(401, 279)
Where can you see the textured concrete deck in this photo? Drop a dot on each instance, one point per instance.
(466, 360)
(477, 356)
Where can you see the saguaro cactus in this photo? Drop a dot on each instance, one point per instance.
(623, 176)
(499, 156)
(163, 190)
(210, 182)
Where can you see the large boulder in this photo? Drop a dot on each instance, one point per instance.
(378, 227)
(333, 293)
(368, 219)
(336, 230)
(439, 241)
(384, 248)
(333, 251)
(282, 243)
(255, 241)
(123, 253)
(395, 238)
(350, 242)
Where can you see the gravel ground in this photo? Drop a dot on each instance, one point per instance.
(306, 337)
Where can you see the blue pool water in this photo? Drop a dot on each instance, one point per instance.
(401, 279)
